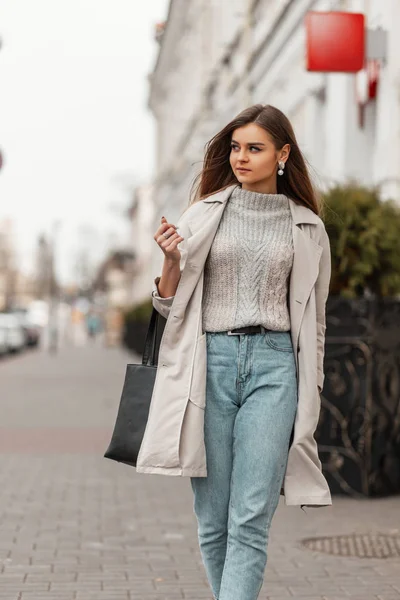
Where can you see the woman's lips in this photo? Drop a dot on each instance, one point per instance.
(242, 169)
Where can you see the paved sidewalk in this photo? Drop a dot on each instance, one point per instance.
(74, 525)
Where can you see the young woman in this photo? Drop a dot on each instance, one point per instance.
(236, 398)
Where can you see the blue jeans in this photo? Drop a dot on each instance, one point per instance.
(251, 403)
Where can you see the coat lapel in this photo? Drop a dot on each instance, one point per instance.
(307, 253)
(303, 276)
(203, 227)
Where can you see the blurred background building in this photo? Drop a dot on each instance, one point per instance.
(142, 214)
(8, 271)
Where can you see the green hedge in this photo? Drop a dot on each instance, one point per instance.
(364, 233)
(139, 312)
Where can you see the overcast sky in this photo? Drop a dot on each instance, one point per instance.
(74, 124)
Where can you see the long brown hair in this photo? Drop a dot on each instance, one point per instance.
(217, 173)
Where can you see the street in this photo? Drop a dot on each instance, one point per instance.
(76, 526)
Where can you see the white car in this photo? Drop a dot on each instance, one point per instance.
(31, 330)
(3, 340)
(15, 335)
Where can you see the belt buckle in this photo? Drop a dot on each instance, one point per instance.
(230, 332)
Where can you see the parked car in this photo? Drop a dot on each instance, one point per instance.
(15, 335)
(3, 340)
(31, 329)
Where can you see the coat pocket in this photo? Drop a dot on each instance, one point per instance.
(197, 393)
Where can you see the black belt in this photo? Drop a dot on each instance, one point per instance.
(247, 329)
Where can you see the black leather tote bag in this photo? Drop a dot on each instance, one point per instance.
(134, 405)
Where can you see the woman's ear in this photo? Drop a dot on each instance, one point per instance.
(284, 152)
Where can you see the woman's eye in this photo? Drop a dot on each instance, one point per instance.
(233, 147)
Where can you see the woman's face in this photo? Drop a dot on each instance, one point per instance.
(253, 151)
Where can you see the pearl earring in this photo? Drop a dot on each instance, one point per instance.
(281, 167)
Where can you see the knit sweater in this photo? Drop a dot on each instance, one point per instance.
(246, 274)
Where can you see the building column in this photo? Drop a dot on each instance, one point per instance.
(386, 161)
(337, 126)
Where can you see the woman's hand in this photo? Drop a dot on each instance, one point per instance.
(168, 245)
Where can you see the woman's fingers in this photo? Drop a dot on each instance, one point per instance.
(165, 227)
(168, 242)
(173, 243)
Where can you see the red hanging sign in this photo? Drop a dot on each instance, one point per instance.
(335, 41)
(366, 84)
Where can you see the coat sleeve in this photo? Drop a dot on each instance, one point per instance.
(321, 295)
(163, 305)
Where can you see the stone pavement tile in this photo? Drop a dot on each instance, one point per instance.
(386, 568)
(266, 595)
(197, 595)
(305, 593)
(289, 596)
(65, 586)
(13, 578)
(35, 596)
(88, 595)
(313, 597)
(330, 590)
(165, 574)
(78, 569)
(26, 568)
(199, 588)
(55, 577)
(30, 587)
(276, 590)
(371, 579)
(11, 589)
(377, 588)
(329, 586)
(154, 596)
(363, 597)
(144, 588)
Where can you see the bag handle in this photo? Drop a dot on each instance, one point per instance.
(150, 343)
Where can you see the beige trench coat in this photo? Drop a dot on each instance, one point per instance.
(173, 442)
